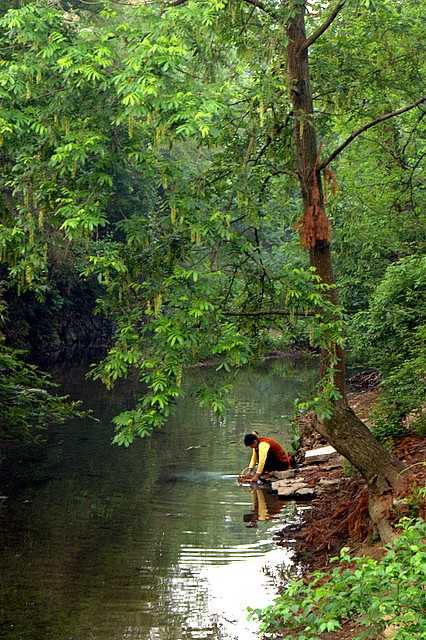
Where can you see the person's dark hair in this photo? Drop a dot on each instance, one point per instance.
(249, 438)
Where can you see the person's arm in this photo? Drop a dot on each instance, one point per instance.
(263, 452)
(253, 460)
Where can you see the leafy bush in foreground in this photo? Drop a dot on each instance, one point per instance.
(380, 594)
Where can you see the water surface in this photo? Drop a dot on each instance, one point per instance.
(154, 542)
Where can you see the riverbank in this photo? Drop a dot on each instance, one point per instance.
(339, 514)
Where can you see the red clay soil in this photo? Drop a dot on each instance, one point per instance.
(339, 516)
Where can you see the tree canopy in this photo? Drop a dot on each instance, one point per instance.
(175, 151)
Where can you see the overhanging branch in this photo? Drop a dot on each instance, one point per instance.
(358, 132)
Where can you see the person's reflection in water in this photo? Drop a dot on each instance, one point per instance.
(266, 506)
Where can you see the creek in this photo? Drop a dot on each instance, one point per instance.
(154, 542)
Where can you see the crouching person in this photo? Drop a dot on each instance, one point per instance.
(267, 454)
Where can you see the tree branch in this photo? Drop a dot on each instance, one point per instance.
(277, 172)
(285, 172)
(247, 21)
(270, 140)
(367, 126)
(309, 41)
(263, 7)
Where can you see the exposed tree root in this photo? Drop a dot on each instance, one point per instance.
(333, 519)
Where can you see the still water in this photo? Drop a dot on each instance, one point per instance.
(154, 542)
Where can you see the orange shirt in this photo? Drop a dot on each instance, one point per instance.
(260, 454)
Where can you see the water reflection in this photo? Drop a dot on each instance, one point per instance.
(265, 506)
(106, 543)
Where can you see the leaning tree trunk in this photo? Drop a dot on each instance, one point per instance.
(344, 431)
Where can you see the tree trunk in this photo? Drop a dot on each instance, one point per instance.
(344, 431)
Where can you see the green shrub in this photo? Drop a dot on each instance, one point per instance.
(377, 594)
(392, 333)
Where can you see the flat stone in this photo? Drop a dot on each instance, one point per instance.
(319, 455)
(282, 475)
(287, 483)
(286, 492)
(290, 491)
(324, 482)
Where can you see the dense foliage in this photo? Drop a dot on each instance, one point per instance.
(151, 148)
(393, 331)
